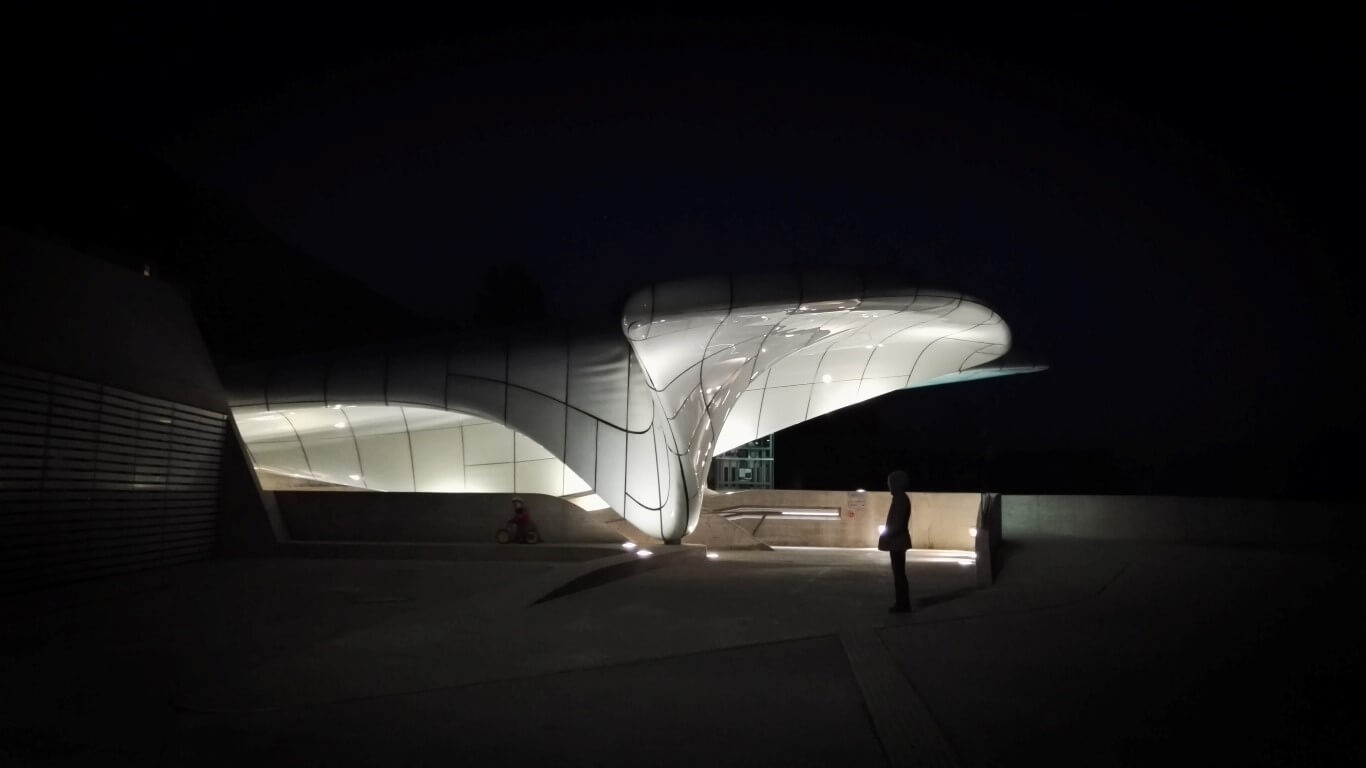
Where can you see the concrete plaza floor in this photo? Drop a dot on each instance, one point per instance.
(1081, 654)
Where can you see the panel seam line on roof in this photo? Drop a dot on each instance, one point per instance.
(926, 348)
(355, 442)
(534, 392)
(946, 336)
(412, 458)
(308, 464)
(863, 374)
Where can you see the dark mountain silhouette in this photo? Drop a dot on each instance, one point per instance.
(254, 295)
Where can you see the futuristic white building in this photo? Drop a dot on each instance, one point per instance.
(626, 419)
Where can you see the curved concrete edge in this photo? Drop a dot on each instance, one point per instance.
(716, 532)
(633, 534)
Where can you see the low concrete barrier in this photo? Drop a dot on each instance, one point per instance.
(431, 517)
(1188, 519)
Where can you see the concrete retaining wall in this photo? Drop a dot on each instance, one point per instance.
(945, 520)
(1184, 519)
(431, 517)
(938, 520)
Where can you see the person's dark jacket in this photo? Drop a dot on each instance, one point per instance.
(897, 535)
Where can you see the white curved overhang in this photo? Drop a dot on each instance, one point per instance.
(402, 448)
(759, 369)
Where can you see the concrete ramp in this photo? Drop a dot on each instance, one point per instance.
(716, 532)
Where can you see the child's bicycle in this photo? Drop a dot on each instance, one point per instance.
(509, 533)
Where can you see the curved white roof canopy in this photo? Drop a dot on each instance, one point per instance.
(404, 448)
(703, 366)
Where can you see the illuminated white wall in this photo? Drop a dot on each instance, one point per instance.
(635, 415)
(524, 408)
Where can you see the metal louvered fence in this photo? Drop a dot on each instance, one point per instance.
(96, 481)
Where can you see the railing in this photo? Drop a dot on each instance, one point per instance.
(734, 473)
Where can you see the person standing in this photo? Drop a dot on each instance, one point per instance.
(896, 538)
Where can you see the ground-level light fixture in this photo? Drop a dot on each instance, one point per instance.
(628, 545)
(643, 553)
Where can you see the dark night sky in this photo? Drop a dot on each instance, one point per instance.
(1158, 203)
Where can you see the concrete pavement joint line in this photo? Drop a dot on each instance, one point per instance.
(908, 733)
(181, 706)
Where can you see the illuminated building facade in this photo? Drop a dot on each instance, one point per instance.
(627, 418)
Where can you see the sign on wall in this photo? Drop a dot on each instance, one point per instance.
(856, 502)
